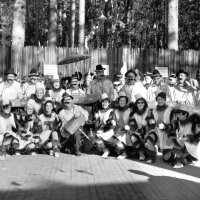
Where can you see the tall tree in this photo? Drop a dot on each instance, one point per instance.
(52, 37)
(81, 23)
(72, 23)
(18, 31)
(173, 24)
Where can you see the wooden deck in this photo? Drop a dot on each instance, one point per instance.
(91, 177)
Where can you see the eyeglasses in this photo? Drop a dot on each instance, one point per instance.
(140, 102)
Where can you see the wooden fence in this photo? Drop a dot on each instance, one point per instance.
(142, 59)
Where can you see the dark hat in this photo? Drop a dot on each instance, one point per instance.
(156, 73)
(162, 95)
(148, 74)
(181, 71)
(11, 71)
(74, 77)
(130, 71)
(33, 72)
(66, 95)
(99, 68)
(172, 76)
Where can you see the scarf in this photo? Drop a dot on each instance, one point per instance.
(161, 108)
(39, 101)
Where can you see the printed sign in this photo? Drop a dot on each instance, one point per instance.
(50, 69)
(106, 71)
(163, 71)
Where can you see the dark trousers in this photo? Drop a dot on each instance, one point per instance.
(73, 143)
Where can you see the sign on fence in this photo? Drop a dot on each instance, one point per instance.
(163, 71)
(106, 71)
(50, 69)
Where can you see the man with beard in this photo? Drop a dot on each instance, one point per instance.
(182, 92)
(10, 89)
(132, 87)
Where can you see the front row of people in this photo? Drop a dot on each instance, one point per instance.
(127, 129)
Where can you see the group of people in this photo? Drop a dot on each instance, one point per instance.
(122, 120)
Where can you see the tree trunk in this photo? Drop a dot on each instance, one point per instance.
(81, 24)
(18, 31)
(173, 24)
(18, 35)
(72, 25)
(52, 37)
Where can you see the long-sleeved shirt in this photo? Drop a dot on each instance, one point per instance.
(98, 87)
(67, 114)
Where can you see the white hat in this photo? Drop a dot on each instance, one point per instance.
(104, 96)
(55, 78)
(6, 102)
(138, 96)
(39, 86)
(184, 107)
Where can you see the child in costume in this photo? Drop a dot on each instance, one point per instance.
(50, 127)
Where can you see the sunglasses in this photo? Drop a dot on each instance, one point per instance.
(140, 102)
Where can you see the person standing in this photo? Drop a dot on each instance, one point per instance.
(101, 84)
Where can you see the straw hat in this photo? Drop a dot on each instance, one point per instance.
(138, 96)
(55, 78)
(104, 96)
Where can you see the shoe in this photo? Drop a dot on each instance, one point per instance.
(123, 156)
(149, 161)
(2, 157)
(56, 154)
(33, 153)
(105, 154)
(51, 152)
(178, 165)
(141, 158)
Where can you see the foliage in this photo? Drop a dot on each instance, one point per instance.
(6, 14)
(137, 23)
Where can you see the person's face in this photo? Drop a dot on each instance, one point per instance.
(100, 74)
(10, 78)
(88, 79)
(140, 104)
(197, 128)
(122, 102)
(130, 78)
(74, 83)
(29, 110)
(39, 94)
(148, 79)
(105, 104)
(7, 109)
(117, 87)
(49, 107)
(160, 101)
(33, 79)
(172, 81)
(68, 102)
(182, 115)
(56, 84)
(182, 77)
(157, 80)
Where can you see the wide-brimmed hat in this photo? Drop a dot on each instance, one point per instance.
(33, 72)
(172, 76)
(104, 96)
(184, 108)
(99, 68)
(66, 95)
(156, 73)
(138, 96)
(55, 78)
(10, 71)
(148, 74)
(181, 71)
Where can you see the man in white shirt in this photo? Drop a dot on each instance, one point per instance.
(10, 89)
